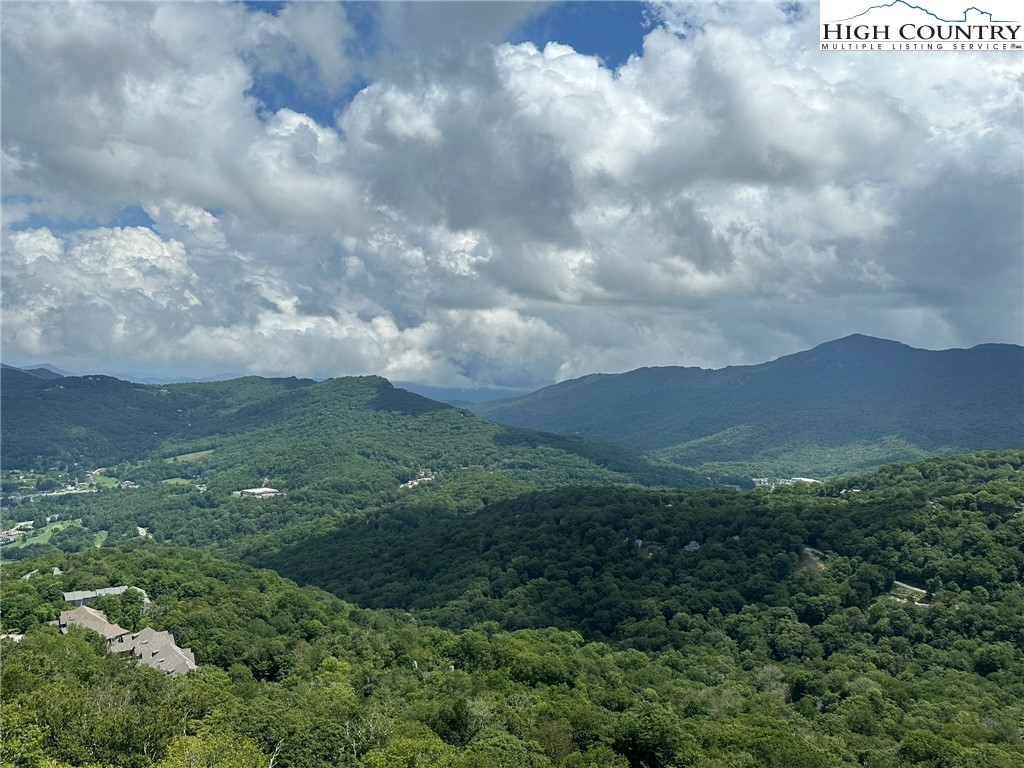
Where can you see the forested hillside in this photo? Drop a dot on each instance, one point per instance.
(789, 658)
(100, 420)
(523, 599)
(844, 406)
(633, 566)
(330, 447)
(290, 429)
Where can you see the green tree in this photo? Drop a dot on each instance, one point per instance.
(415, 748)
(648, 735)
(498, 749)
(599, 757)
(214, 749)
(925, 748)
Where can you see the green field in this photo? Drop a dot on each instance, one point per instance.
(176, 481)
(41, 536)
(190, 456)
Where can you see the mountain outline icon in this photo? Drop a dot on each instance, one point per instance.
(935, 16)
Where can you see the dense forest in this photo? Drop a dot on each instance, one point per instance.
(533, 633)
(633, 565)
(426, 588)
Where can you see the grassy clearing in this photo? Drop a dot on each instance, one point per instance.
(41, 536)
(190, 456)
(907, 593)
(99, 538)
(102, 481)
(176, 481)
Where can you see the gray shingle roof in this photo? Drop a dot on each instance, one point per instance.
(151, 647)
(84, 616)
(80, 595)
(156, 649)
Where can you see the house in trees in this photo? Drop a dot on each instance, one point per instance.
(86, 596)
(90, 618)
(152, 648)
(155, 649)
(258, 493)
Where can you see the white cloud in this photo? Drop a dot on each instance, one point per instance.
(306, 41)
(493, 212)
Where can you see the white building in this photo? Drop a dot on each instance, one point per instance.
(258, 493)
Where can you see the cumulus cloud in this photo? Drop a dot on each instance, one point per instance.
(308, 42)
(494, 213)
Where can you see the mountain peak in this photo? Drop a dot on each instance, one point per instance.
(845, 404)
(861, 339)
(858, 342)
(853, 348)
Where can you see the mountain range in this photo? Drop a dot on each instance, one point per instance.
(537, 607)
(840, 407)
(298, 432)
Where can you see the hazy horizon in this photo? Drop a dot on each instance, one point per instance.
(475, 394)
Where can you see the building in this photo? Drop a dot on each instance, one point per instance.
(90, 618)
(155, 649)
(770, 484)
(258, 493)
(151, 647)
(35, 572)
(651, 547)
(86, 596)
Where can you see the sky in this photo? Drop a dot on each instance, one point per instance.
(493, 194)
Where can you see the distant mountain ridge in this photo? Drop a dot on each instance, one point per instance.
(46, 371)
(299, 431)
(50, 371)
(842, 406)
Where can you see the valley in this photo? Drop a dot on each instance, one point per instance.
(370, 578)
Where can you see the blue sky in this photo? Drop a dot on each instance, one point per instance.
(609, 30)
(492, 194)
(612, 31)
